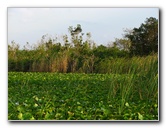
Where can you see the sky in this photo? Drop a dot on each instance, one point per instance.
(104, 24)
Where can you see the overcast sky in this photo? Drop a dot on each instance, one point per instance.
(105, 24)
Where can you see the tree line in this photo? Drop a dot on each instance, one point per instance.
(75, 54)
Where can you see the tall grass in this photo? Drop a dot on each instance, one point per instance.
(134, 65)
(138, 80)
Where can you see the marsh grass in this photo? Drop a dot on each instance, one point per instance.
(138, 80)
(130, 93)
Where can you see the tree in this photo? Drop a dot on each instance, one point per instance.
(122, 44)
(76, 30)
(144, 40)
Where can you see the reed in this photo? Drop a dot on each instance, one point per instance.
(138, 80)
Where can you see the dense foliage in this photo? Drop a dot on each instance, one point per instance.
(54, 57)
(145, 38)
(56, 96)
(79, 54)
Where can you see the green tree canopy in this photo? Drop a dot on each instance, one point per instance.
(144, 40)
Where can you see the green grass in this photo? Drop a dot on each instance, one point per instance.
(56, 96)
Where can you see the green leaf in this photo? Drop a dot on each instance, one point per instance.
(127, 104)
(20, 116)
(47, 115)
(35, 105)
(32, 118)
(70, 113)
(36, 98)
(79, 107)
(140, 117)
(155, 105)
